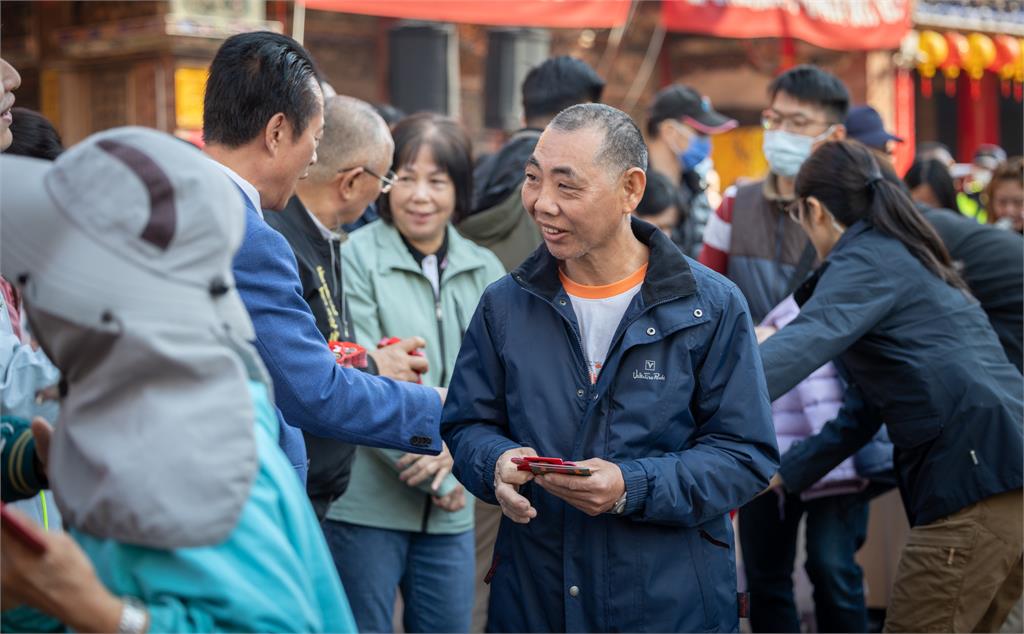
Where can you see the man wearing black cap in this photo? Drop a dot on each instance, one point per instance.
(498, 220)
(679, 127)
(864, 124)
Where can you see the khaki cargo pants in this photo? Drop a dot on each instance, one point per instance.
(962, 573)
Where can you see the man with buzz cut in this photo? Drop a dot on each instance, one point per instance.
(609, 348)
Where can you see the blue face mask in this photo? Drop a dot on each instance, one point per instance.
(786, 151)
(699, 149)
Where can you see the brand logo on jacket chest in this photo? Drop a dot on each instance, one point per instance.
(649, 373)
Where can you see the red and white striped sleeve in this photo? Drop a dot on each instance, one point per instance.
(718, 235)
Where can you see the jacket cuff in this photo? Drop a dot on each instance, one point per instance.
(635, 477)
(487, 473)
(792, 471)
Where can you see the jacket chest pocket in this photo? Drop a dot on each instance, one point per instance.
(649, 402)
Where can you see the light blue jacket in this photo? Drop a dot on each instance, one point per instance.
(389, 296)
(274, 572)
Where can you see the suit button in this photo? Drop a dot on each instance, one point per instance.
(580, 393)
(574, 591)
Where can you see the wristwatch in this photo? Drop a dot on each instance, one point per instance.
(620, 505)
(133, 617)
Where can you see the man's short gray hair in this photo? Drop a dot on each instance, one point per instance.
(354, 134)
(623, 146)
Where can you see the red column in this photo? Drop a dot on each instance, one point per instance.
(977, 117)
(903, 118)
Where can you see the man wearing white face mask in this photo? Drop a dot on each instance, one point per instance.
(750, 238)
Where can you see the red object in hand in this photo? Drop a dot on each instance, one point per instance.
(348, 354)
(390, 341)
(20, 531)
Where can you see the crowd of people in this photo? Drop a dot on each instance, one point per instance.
(334, 373)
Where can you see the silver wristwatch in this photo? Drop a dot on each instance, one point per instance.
(620, 505)
(133, 617)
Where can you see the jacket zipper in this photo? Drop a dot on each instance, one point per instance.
(336, 274)
(440, 333)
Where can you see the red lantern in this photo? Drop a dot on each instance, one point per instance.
(1005, 63)
(958, 49)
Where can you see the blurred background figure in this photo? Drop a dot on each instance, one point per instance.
(34, 135)
(498, 220)
(864, 124)
(987, 158)
(1004, 195)
(659, 206)
(930, 183)
(680, 124)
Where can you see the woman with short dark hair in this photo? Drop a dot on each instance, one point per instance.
(920, 356)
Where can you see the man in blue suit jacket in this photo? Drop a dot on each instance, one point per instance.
(263, 118)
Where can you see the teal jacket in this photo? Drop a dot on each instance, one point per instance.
(389, 296)
(274, 573)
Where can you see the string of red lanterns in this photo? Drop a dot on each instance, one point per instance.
(953, 53)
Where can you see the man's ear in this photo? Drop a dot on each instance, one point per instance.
(838, 133)
(273, 133)
(634, 181)
(346, 183)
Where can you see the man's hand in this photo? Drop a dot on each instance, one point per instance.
(41, 432)
(763, 332)
(60, 582)
(395, 362)
(593, 495)
(775, 484)
(454, 501)
(507, 478)
(417, 468)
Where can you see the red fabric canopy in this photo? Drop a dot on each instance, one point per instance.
(844, 25)
(557, 14)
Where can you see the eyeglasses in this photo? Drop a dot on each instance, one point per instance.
(795, 210)
(386, 182)
(798, 123)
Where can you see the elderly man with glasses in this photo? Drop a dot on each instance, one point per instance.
(354, 153)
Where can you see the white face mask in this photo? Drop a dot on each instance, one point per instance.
(787, 151)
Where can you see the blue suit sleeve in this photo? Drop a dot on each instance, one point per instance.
(852, 428)
(733, 452)
(475, 419)
(313, 393)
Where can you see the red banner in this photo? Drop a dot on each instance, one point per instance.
(843, 25)
(555, 14)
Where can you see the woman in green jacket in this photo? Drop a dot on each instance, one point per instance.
(405, 522)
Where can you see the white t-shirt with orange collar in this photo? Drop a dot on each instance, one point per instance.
(599, 309)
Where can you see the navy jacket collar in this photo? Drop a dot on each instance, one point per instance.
(668, 272)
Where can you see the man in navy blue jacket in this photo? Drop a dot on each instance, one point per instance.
(608, 347)
(263, 118)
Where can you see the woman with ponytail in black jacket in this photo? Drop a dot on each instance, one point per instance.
(920, 356)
